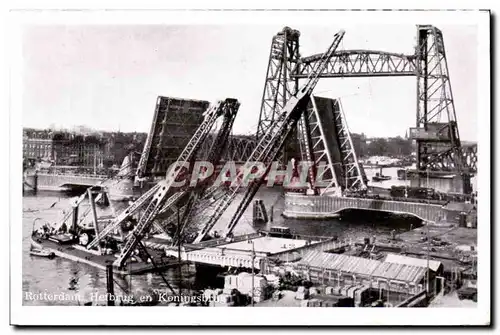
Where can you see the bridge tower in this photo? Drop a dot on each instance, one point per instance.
(280, 86)
(319, 131)
(284, 59)
(436, 132)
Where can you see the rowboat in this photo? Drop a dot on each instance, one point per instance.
(42, 253)
(36, 248)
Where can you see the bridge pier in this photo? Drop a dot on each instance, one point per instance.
(452, 184)
(30, 181)
(59, 182)
(300, 206)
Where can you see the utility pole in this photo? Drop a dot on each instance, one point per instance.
(253, 273)
(428, 239)
(345, 172)
(179, 252)
(94, 217)
(406, 182)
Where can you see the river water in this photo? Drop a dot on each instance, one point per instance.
(44, 275)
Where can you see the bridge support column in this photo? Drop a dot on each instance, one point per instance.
(35, 183)
(455, 184)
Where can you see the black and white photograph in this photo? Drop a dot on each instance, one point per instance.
(332, 161)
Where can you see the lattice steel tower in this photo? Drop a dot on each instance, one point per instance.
(279, 86)
(436, 132)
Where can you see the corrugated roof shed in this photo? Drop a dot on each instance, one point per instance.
(359, 265)
(400, 259)
(336, 262)
(387, 270)
(394, 270)
(316, 259)
(400, 272)
(411, 274)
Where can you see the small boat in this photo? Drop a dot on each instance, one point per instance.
(36, 248)
(42, 253)
(379, 177)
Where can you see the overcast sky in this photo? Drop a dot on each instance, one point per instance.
(108, 77)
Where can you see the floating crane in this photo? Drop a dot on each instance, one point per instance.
(160, 198)
(270, 144)
(160, 201)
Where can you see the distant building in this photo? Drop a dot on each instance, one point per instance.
(79, 151)
(37, 148)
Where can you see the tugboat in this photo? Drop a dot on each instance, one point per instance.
(380, 177)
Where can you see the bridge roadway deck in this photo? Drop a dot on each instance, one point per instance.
(300, 206)
(56, 182)
(238, 251)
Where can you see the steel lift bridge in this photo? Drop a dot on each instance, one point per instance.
(436, 131)
(286, 109)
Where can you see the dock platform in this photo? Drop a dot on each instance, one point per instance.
(254, 250)
(79, 254)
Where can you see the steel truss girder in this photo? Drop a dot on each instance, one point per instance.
(354, 175)
(306, 147)
(238, 148)
(469, 157)
(200, 211)
(321, 152)
(347, 173)
(174, 122)
(123, 216)
(359, 63)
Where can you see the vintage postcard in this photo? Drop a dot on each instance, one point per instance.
(233, 160)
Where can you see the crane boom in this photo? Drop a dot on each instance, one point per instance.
(219, 145)
(200, 198)
(143, 199)
(159, 199)
(269, 145)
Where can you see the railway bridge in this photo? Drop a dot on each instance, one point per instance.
(289, 111)
(324, 207)
(60, 181)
